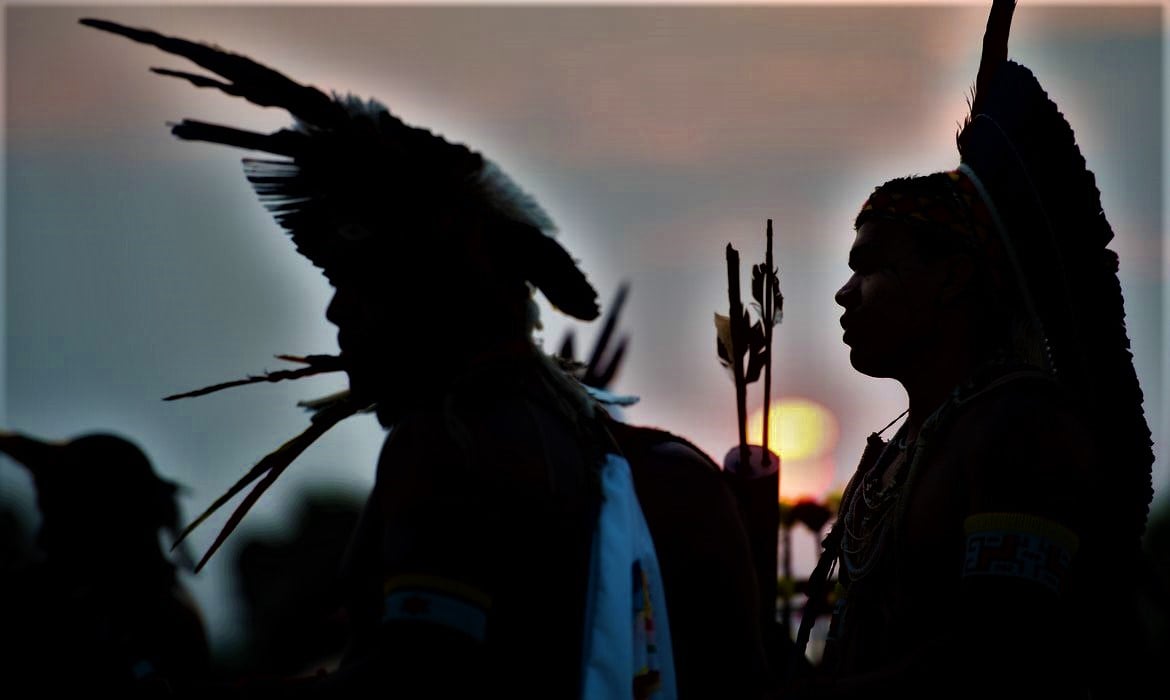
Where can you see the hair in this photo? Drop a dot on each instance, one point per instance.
(944, 218)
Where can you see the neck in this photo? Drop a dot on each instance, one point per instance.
(922, 405)
(428, 386)
(932, 379)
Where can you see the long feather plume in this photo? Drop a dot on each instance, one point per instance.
(994, 54)
(267, 470)
(248, 79)
(1018, 141)
(995, 41)
(316, 364)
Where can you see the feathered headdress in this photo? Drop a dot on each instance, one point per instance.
(354, 175)
(1020, 152)
(1024, 196)
(372, 201)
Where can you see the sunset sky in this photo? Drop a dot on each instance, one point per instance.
(137, 266)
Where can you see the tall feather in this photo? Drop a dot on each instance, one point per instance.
(248, 79)
(995, 46)
(1022, 148)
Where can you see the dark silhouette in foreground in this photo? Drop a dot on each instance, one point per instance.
(988, 549)
(100, 610)
(503, 549)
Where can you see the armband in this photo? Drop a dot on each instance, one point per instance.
(1017, 545)
(437, 601)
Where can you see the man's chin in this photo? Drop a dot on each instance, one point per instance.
(391, 394)
(871, 366)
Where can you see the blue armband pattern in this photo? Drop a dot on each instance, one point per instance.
(437, 601)
(1020, 546)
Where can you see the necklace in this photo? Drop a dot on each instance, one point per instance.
(867, 510)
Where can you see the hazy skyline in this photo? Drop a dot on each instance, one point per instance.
(138, 265)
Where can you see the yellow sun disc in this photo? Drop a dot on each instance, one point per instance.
(799, 429)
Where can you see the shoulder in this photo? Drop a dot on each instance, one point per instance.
(668, 466)
(653, 447)
(1022, 444)
(505, 446)
(673, 475)
(1026, 412)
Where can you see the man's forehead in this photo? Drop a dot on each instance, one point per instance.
(880, 237)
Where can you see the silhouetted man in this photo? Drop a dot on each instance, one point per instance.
(973, 550)
(503, 550)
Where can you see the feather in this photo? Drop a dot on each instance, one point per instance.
(603, 362)
(267, 470)
(1025, 153)
(724, 345)
(355, 167)
(317, 364)
(604, 376)
(604, 396)
(995, 45)
(256, 83)
(567, 350)
(283, 142)
(325, 402)
(549, 267)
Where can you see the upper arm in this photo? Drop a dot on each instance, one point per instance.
(1028, 476)
(474, 553)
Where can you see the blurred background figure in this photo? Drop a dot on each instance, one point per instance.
(97, 606)
(294, 608)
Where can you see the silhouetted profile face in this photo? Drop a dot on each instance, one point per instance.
(892, 302)
(370, 339)
(409, 317)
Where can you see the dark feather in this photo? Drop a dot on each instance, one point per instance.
(317, 364)
(1023, 149)
(550, 268)
(283, 142)
(995, 46)
(355, 167)
(248, 79)
(271, 467)
(600, 375)
(567, 350)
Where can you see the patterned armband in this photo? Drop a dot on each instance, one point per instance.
(1018, 545)
(438, 601)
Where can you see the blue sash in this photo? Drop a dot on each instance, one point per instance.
(626, 651)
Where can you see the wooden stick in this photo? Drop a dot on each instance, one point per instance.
(769, 313)
(738, 340)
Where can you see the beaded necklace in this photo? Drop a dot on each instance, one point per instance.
(874, 501)
(866, 511)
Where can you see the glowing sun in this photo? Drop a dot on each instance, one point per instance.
(804, 433)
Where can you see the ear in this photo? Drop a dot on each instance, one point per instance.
(958, 278)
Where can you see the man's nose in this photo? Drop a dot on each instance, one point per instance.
(333, 312)
(847, 295)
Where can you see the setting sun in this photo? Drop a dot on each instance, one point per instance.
(804, 433)
(799, 429)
